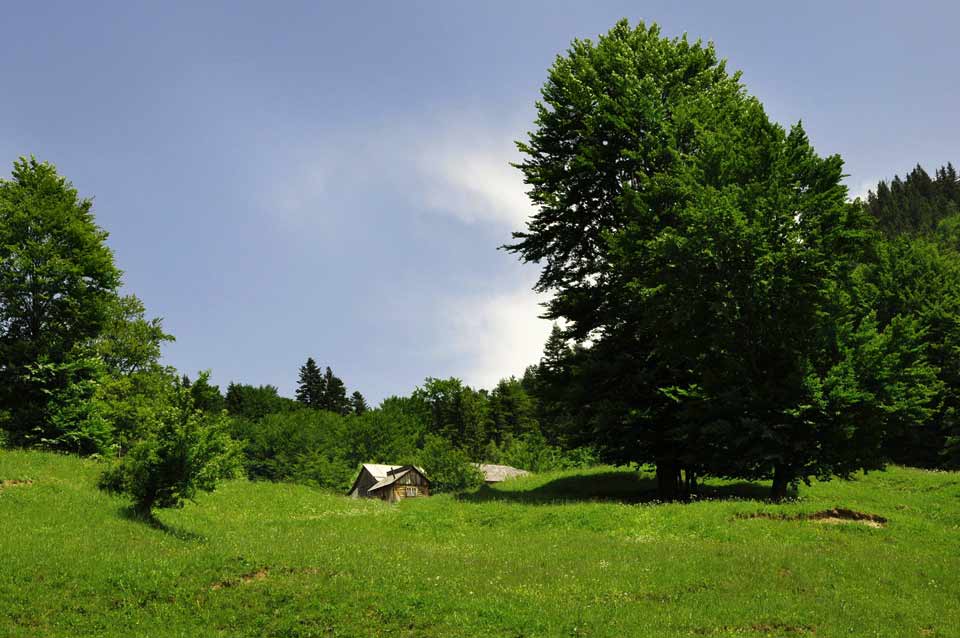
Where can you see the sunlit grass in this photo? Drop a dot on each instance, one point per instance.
(540, 556)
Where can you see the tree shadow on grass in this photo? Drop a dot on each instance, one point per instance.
(612, 487)
(130, 513)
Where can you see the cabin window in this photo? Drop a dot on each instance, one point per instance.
(409, 491)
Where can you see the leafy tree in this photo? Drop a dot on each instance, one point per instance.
(75, 420)
(277, 444)
(185, 452)
(453, 411)
(205, 396)
(358, 404)
(255, 402)
(57, 282)
(134, 386)
(129, 342)
(703, 255)
(533, 452)
(449, 469)
(311, 387)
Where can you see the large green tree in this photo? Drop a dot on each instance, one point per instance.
(703, 255)
(57, 284)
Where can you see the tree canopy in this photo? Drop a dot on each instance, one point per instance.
(704, 253)
(58, 285)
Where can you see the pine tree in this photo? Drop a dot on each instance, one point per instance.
(311, 388)
(334, 394)
(358, 404)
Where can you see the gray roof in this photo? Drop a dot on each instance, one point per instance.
(496, 473)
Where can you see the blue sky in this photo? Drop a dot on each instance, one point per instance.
(292, 179)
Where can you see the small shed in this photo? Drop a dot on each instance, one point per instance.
(390, 482)
(497, 473)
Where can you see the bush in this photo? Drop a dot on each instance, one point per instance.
(532, 452)
(186, 452)
(448, 468)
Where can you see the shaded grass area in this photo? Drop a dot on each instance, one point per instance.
(532, 557)
(603, 485)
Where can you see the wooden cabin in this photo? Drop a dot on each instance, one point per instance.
(390, 483)
(497, 473)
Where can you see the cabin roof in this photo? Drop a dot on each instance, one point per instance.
(386, 474)
(496, 473)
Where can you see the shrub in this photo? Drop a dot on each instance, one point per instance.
(185, 453)
(448, 468)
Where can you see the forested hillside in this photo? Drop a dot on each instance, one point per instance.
(722, 310)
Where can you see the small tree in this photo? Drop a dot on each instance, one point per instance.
(448, 468)
(185, 452)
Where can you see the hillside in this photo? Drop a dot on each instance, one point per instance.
(535, 557)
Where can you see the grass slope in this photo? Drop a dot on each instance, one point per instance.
(260, 559)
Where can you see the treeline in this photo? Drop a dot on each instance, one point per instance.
(914, 272)
(81, 372)
(85, 377)
(722, 310)
(444, 426)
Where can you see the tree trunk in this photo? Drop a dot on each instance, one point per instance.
(144, 509)
(668, 483)
(781, 481)
(691, 481)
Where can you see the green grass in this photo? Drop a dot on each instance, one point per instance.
(535, 557)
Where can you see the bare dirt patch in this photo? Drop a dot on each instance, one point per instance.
(835, 516)
(262, 574)
(14, 483)
(245, 579)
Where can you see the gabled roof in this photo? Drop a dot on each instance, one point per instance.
(386, 474)
(496, 473)
(381, 472)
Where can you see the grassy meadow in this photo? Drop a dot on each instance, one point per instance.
(566, 554)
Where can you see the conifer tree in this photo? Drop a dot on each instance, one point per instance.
(334, 394)
(311, 388)
(358, 404)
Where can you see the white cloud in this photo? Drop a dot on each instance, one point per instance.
(466, 172)
(476, 185)
(456, 164)
(861, 188)
(495, 336)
